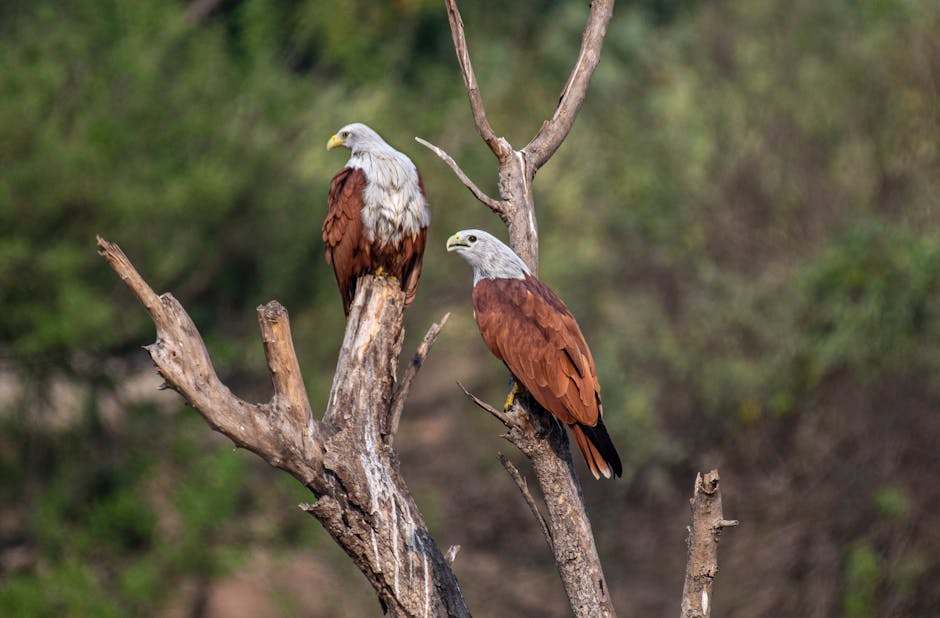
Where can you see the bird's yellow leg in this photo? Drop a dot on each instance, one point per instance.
(511, 399)
(381, 272)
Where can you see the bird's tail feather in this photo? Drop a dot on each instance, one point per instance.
(598, 449)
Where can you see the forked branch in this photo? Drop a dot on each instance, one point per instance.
(282, 430)
(532, 429)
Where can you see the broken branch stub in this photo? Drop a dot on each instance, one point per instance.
(704, 532)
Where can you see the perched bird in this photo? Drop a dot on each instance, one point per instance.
(378, 214)
(526, 325)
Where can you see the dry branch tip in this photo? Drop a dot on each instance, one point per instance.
(495, 205)
(502, 416)
(497, 145)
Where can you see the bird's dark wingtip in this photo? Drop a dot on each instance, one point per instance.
(605, 446)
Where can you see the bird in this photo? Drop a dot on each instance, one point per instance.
(529, 328)
(378, 216)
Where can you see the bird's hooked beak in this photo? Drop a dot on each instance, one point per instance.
(456, 242)
(335, 141)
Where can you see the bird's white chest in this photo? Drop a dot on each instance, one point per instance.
(392, 204)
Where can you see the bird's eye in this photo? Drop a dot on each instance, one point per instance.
(344, 134)
(472, 238)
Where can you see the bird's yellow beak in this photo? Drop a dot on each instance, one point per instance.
(455, 242)
(335, 141)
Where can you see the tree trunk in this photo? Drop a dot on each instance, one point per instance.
(346, 459)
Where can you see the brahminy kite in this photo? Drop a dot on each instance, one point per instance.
(529, 328)
(378, 214)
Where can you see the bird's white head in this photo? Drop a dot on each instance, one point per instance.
(358, 138)
(488, 256)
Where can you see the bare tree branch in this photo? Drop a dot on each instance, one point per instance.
(182, 359)
(362, 500)
(496, 206)
(524, 489)
(702, 565)
(502, 416)
(288, 383)
(404, 388)
(538, 435)
(554, 131)
(498, 145)
(531, 429)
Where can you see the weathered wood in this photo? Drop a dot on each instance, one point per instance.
(345, 459)
(702, 565)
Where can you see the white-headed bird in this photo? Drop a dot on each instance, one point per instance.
(529, 328)
(378, 214)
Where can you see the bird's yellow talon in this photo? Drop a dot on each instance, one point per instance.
(511, 399)
(381, 272)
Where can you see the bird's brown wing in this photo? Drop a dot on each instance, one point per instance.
(529, 328)
(346, 248)
(413, 256)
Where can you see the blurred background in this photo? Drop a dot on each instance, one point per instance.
(744, 221)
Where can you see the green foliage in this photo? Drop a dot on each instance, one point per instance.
(111, 541)
(871, 302)
(759, 232)
(862, 576)
(893, 503)
(121, 121)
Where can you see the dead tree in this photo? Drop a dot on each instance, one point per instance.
(347, 458)
(531, 429)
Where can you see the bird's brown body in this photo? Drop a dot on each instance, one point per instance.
(353, 252)
(526, 325)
